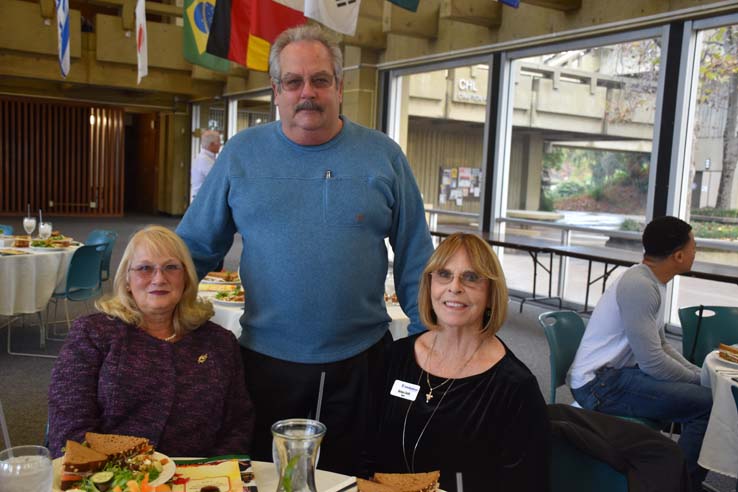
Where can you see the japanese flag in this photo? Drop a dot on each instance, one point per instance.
(141, 40)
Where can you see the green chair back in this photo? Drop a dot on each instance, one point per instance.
(107, 237)
(6, 229)
(564, 331)
(719, 325)
(575, 471)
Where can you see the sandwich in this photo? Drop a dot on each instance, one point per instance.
(79, 462)
(400, 482)
(118, 448)
(729, 353)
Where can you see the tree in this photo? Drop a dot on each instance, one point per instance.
(719, 89)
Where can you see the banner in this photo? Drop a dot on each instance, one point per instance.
(198, 17)
(141, 40)
(339, 15)
(243, 30)
(511, 3)
(62, 24)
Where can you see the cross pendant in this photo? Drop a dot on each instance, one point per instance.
(428, 396)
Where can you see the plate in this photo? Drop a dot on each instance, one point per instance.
(728, 362)
(219, 282)
(222, 302)
(52, 248)
(166, 474)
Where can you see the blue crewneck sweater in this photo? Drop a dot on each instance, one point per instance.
(313, 221)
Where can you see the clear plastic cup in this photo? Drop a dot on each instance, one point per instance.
(26, 468)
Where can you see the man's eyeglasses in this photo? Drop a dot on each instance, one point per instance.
(292, 83)
(468, 278)
(146, 271)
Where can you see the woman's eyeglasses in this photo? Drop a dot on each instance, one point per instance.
(147, 271)
(468, 278)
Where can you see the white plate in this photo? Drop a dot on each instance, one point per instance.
(219, 282)
(729, 362)
(166, 474)
(53, 248)
(222, 302)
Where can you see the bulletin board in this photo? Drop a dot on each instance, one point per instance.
(458, 184)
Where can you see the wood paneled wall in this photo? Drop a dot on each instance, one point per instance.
(66, 159)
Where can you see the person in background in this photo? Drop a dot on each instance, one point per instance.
(150, 364)
(624, 365)
(456, 399)
(314, 195)
(203, 163)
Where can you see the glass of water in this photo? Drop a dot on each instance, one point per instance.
(44, 230)
(29, 224)
(26, 468)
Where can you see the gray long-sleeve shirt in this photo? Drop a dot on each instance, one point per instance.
(626, 329)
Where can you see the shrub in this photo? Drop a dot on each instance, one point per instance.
(631, 225)
(568, 188)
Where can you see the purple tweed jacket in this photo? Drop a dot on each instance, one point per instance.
(188, 398)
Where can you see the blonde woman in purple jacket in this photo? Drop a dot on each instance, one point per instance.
(150, 364)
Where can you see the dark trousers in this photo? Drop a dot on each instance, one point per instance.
(282, 389)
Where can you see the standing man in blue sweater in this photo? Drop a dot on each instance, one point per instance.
(314, 196)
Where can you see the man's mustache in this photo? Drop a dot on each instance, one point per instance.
(309, 105)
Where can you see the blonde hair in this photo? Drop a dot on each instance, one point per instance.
(484, 262)
(190, 313)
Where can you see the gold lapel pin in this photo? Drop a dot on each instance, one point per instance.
(202, 359)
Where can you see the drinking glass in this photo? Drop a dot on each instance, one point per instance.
(29, 224)
(25, 468)
(295, 452)
(44, 230)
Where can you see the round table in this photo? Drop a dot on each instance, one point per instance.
(28, 280)
(720, 447)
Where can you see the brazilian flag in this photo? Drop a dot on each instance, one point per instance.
(198, 15)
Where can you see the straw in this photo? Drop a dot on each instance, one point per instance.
(4, 425)
(320, 395)
(459, 484)
(40, 218)
(28, 208)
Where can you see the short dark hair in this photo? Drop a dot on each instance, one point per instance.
(665, 235)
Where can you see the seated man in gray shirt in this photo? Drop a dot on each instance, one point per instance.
(625, 366)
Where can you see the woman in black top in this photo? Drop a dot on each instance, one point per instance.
(455, 397)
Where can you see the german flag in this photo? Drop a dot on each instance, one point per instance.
(243, 30)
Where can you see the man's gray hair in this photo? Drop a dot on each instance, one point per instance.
(305, 32)
(208, 137)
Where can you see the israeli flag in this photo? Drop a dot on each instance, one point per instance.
(62, 23)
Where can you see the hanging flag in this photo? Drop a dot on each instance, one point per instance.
(243, 30)
(141, 40)
(511, 3)
(411, 5)
(339, 15)
(62, 24)
(198, 16)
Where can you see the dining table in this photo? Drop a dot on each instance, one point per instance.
(29, 277)
(720, 446)
(229, 315)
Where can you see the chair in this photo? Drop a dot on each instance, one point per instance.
(6, 229)
(575, 471)
(107, 237)
(564, 331)
(83, 277)
(704, 327)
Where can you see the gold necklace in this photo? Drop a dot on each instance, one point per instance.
(429, 395)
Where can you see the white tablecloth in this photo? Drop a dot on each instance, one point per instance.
(27, 281)
(720, 446)
(228, 317)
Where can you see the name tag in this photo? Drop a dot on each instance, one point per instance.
(408, 391)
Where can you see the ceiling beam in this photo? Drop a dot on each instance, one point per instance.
(478, 12)
(420, 24)
(562, 5)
